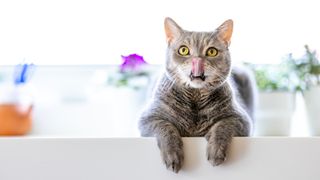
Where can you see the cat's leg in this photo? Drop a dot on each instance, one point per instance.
(169, 142)
(220, 136)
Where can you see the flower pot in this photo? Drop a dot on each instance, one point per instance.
(312, 102)
(123, 107)
(15, 110)
(14, 120)
(274, 113)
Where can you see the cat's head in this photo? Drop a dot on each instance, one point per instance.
(198, 59)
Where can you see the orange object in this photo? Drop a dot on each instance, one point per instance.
(14, 121)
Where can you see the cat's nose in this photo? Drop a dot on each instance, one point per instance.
(197, 67)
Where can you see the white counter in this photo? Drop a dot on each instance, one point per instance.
(139, 159)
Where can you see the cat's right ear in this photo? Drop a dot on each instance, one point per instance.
(172, 29)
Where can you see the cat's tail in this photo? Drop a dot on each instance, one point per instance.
(246, 86)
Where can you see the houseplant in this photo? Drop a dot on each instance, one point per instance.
(132, 73)
(16, 102)
(276, 99)
(307, 70)
(127, 92)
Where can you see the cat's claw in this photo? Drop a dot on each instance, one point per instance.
(216, 155)
(173, 159)
(173, 167)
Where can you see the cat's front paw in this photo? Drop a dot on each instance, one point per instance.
(173, 158)
(216, 154)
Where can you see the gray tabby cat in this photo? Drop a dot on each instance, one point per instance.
(198, 95)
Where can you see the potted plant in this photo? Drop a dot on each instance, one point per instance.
(132, 73)
(276, 99)
(307, 70)
(127, 91)
(130, 80)
(16, 103)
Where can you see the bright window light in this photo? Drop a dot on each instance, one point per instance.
(73, 32)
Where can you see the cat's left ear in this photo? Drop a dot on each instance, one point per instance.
(225, 31)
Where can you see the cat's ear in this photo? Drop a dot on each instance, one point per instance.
(225, 31)
(172, 29)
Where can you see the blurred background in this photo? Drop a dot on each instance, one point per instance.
(87, 67)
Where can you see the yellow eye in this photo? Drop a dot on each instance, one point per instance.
(184, 51)
(212, 52)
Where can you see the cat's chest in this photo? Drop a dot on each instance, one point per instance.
(190, 110)
(199, 101)
(195, 111)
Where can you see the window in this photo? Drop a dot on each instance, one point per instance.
(65, 32)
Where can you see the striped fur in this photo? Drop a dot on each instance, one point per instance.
(184, 108)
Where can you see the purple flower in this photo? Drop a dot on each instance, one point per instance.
(132, 62)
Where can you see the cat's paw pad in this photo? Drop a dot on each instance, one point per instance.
(216, 155)
(173, 159)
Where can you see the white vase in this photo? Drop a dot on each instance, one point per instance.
(125, 110)
(312, 101)
(274, 113)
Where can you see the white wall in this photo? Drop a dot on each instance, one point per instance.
(99, 31)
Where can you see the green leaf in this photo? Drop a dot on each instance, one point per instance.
(315, 69)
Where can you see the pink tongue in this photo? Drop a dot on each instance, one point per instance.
(197, 67)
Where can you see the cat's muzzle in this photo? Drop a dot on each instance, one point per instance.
(201, 77)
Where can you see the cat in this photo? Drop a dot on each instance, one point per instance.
(198, 95)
